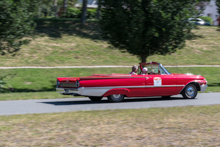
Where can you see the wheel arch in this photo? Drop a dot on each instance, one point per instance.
(192, 82)
(122, 91)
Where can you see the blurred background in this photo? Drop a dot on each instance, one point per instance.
(51, 33)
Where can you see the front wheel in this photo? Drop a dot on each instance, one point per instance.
(116, 98)
(93, 98)
(190, 92)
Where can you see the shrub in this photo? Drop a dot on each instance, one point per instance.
(76, 13)
(73, 13)
(207, 19)
(3, 88)
(91, 13)
(2, 84)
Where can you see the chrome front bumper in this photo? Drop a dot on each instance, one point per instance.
(203, 87)
(70, 91)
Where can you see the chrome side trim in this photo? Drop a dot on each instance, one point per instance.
(129, 77)
(165, 86)
(134, 86)
(99, 91)
(95, 91)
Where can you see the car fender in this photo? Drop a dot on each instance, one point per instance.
(196, 82)
(123, 91)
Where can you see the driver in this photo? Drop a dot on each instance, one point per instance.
(134, 70)
(144, 71)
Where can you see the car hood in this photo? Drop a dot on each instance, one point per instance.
(190, 76)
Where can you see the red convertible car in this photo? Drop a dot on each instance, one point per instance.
(158, 82)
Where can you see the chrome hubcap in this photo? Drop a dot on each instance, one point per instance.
(117, 97)
(190, 91)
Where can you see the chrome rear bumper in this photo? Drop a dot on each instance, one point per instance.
(70, 91)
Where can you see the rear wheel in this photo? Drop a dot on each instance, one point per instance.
(93, 98)
(116, 98)
(190, 92)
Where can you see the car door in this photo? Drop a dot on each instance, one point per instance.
(160, 85)
(136, 86)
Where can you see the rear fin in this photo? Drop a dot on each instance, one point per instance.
(67, 79)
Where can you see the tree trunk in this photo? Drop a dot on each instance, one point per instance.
(98, 10)
(143, 58)
(84, 9)
(55, 8)
(64, 7)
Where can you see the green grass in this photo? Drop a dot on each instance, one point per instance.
(42, 81)
(177, 126)
(37, 80)
(60, 42)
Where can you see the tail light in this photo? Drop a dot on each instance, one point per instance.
(77, 83)
(58, 83)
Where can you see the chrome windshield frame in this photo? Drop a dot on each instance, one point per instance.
(165, 70)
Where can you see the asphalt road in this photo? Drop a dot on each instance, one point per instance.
(84, 104)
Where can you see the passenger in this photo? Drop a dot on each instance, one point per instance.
(152, 71)
(144, 71)
(134, 70)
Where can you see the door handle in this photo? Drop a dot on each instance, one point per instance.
(148, 78)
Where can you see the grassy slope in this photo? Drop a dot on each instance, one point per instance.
(42, 81)
(67, 43)
(202, 49)
(178, 126)
(63, 42)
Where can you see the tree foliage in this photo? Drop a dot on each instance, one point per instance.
(16, 21)
(46, 8)
(147, 27)
(202, 4)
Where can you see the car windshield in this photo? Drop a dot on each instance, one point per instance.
(167, 72)
(157, 69)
